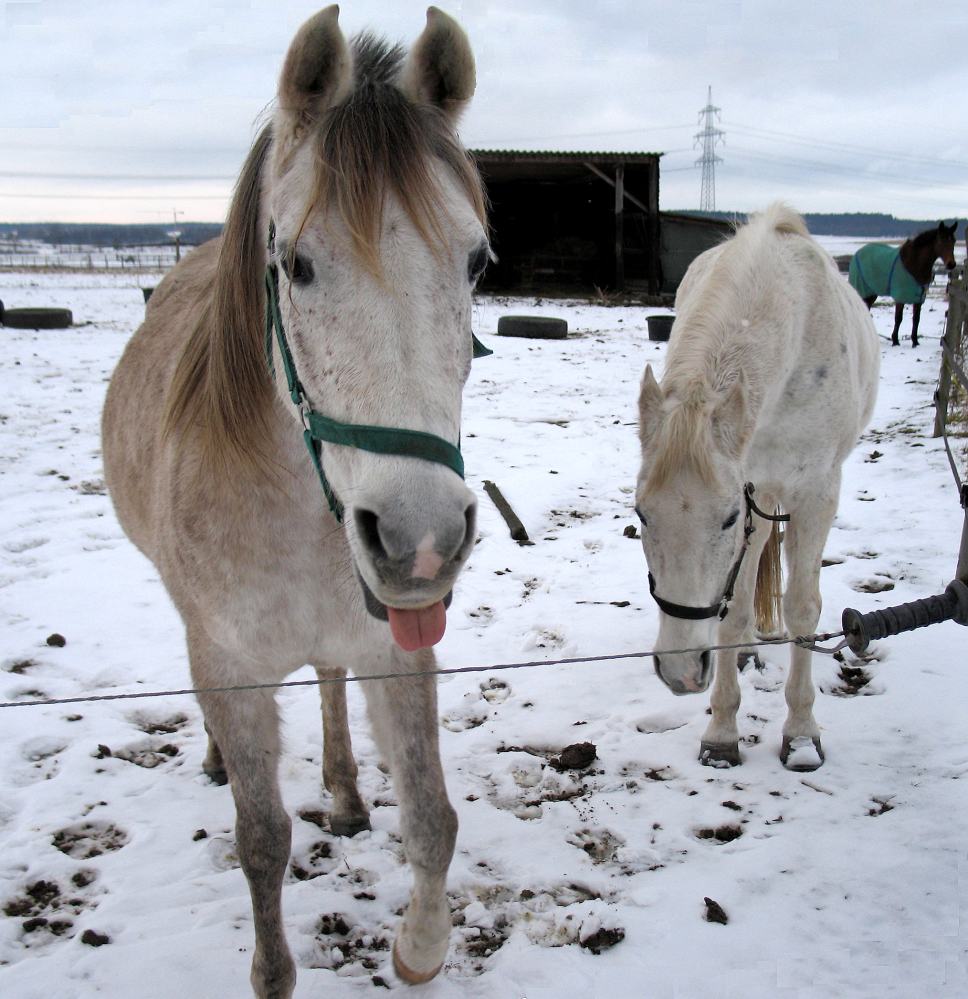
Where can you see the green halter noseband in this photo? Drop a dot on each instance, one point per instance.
(318, 428)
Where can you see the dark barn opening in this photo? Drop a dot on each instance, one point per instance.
(573, 222)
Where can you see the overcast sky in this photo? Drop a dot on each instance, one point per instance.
(132, 111)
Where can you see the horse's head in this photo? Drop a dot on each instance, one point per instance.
(945, 244)
(690, 501)
(379, 239)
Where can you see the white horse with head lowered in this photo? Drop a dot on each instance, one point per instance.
(332, 316)
(770, 378)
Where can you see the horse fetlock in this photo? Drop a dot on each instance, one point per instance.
(273, 973)
(719, 754)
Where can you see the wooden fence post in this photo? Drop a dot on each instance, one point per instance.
(943, 392)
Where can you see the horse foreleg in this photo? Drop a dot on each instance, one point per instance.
(404, 716)
(805, 537)
(898, 316)
(720, 742)
(349, 815)
(245, 728)
(914, 325)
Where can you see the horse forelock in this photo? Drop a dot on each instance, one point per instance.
(377, 141)
(682, 443)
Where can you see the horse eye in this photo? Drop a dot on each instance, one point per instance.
(730, 520)
(476, 263)
(297, 268)
(641, 516)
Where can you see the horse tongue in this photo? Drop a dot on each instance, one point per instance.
(417, 629)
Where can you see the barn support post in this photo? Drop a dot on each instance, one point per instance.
(620, 227)
(654, 235)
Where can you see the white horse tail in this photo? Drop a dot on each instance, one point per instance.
(767, 602)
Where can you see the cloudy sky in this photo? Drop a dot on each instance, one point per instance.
(135, 111)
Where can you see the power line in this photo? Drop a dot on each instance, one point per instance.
(867, 151)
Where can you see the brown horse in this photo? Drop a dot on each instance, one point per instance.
(361, 214)
(903, 273)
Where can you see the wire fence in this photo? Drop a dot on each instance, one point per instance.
(46, 256)
(809, 641)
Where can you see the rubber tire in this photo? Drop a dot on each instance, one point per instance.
(533, 327)
(38, 319)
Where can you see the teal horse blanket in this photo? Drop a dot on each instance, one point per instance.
(876, 269)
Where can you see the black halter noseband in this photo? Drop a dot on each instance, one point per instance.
(720, 609)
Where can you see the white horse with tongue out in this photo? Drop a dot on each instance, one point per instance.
(357, 227)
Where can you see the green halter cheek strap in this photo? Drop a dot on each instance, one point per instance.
(318, 428)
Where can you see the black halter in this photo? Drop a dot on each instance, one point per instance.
(720, 609)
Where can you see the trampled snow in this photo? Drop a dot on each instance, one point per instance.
(847, 882)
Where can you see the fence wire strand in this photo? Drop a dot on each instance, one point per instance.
(808, 640)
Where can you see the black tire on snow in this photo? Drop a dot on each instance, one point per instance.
(534, 327)
(38, 319)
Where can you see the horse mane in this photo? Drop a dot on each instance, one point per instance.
(922, 238)
(708, 357)
(375, 140)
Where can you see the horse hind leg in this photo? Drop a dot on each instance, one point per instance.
(349, 815)
(898, 316)
(244, 729)
(213, 765)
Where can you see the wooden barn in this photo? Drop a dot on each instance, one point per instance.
(577, 222)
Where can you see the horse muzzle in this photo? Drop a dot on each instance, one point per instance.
(407, 565)
(684, 673)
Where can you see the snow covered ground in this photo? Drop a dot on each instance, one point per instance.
(118, 875)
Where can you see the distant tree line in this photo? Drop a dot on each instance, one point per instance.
(866, 224)
(69, 233)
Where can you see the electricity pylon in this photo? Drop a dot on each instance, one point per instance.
(707, 139)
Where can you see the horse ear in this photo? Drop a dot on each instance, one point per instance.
(650, 405)
(317, 71)
(440, 67)
(731, 423)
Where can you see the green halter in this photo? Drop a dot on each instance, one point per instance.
(318, 428)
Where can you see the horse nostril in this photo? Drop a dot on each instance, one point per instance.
(368, 529)
(704, 661)
(470, 528)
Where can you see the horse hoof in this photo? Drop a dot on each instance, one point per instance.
(349, 826)
(412, 977)
(745, 659)
(719, 754)
(801, 754)
(216, 775)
